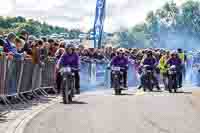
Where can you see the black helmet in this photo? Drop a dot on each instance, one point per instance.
(179, 50)
(24, 32)
(69, 46)
(149, 53)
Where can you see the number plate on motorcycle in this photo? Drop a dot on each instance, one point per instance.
(149, 71)
(172, 72)
(116, 68)
(67, 69)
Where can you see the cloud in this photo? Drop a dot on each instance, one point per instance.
(7, 8)
(80, 13)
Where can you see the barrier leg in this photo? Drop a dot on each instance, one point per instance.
(39, 96)
(36, 95)
(43, 92)
(7, 103)
(22, 97)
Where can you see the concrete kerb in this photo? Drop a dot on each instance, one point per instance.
(19, 125)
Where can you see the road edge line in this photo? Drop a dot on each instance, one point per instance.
(19, 125)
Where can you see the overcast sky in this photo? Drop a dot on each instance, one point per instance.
(80, 13)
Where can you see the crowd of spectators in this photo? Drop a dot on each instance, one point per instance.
(28, 46)
(41, 49)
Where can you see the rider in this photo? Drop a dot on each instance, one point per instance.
(175, 60)
(150, 60)
(121, 61)
(71, 59)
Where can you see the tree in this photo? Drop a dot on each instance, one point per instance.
(170, 26)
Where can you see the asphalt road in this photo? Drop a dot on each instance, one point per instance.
(102, 112)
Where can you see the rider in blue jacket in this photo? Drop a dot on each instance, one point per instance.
(121, 61)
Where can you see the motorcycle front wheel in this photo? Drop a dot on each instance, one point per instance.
(65, 94)
(117, 91)
(67, 97)
(170, 83)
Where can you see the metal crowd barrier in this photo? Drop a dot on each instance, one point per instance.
(85, 76)
(48, 76)
(96, 75)
(2, 74)
(22, 76)
(132, 77)
(92, 75)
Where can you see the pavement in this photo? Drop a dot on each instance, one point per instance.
(20, 112)
(102, 112)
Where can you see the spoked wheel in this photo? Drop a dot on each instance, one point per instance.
(145, 87)
(64, 91)
(170, 88)
(170, 84)
(116, 86)
(70, 98)
(71, 90)
(65, 97)
(67, 94)
(117, 91)
(175, 86)
(150, 87)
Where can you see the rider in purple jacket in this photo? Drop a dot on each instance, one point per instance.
(151, 62)
(71, 58)
(121, 61)
(175, 60)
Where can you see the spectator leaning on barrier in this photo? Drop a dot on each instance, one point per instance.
(11, 48)
(1, 46)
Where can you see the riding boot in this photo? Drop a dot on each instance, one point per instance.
(180, 80)
(111, 80)
(58, 82)
(77, 82)
(125, 80)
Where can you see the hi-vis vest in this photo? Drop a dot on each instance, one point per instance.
(162, 64)
(182, 56)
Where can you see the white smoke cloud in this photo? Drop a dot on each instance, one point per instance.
(80, 13)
